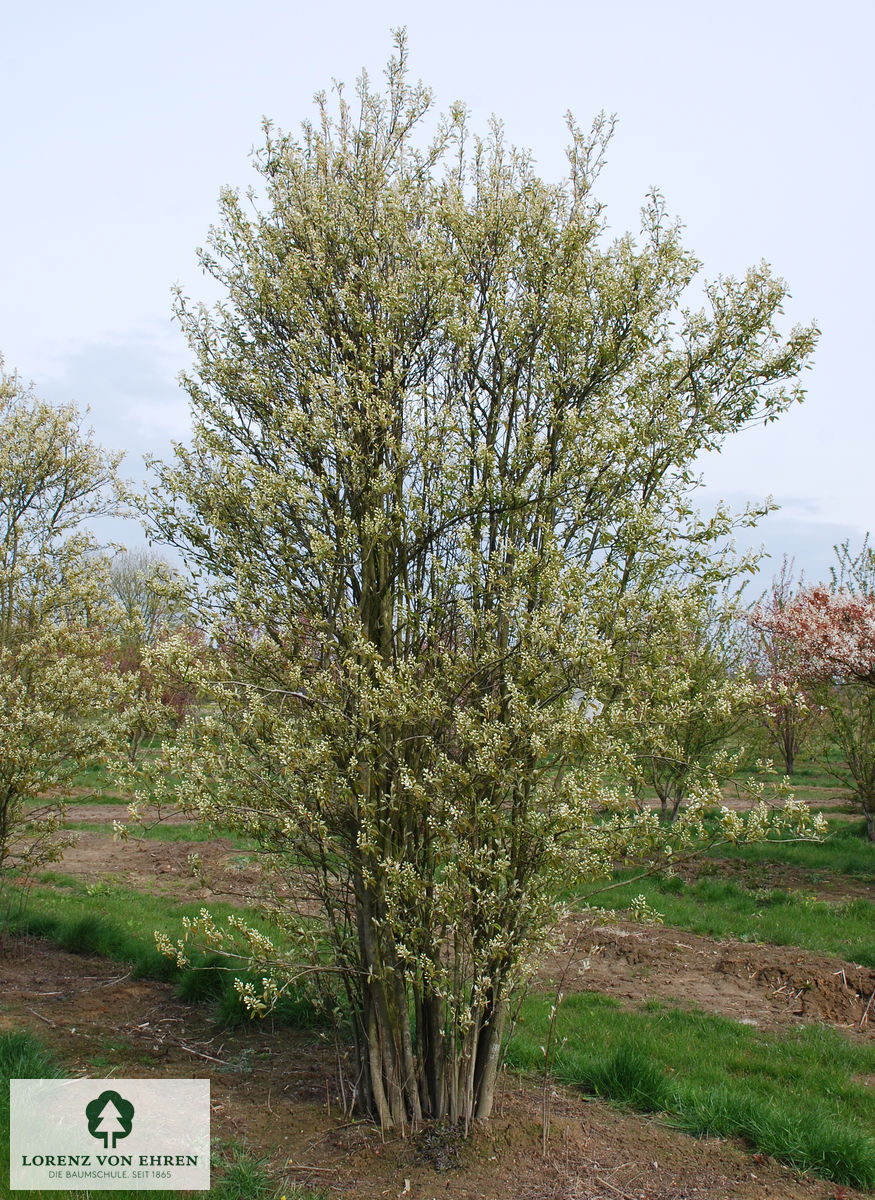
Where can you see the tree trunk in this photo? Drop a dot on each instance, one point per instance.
(487, 1062)
(411, 1071)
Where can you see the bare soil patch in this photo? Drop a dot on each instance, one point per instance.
(163, 868)
(772, 987)
(278, 1090)
(105, 814)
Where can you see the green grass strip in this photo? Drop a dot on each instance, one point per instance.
(720, 908)
(844, 852)
(800, 1097)
(169, 833)
(123, 931)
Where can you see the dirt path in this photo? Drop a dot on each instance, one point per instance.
(822, 884)
(278, 1090)
(163, 868)
(105, 814)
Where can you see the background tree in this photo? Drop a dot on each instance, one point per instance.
(55, 690)
(442, 427)
(850, 711)
(833, 632)
(152, 608)
(149, 594)
(854, 573)
(685, 701)
(783, 707)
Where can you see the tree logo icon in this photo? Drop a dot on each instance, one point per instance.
(110, 1117)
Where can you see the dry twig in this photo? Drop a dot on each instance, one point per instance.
(604, 1183)
(865, 1016)
(48, 1021)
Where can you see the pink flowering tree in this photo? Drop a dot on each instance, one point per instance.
(833, 632)
(784, 707)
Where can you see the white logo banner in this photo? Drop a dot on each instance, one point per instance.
(95, 1134)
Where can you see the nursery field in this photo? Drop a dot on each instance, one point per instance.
(727, 1052)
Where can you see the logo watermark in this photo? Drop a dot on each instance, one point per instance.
(109, 1117)
(94, 1134)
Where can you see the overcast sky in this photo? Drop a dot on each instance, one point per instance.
(121, 122)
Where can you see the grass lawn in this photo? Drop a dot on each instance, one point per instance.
(718, 908)
(800, 1097)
